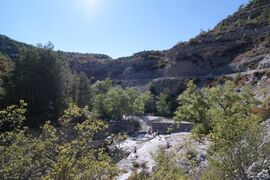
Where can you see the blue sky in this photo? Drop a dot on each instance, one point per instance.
(113, 27)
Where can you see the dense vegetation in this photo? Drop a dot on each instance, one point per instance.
(5, 67)
(66, 152)
(117, 103)
(226, 114)
(162, 103)
(43, 79)
(62, 148)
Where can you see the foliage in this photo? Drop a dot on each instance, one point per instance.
(253, 1)
(163, 103)
(118, 103)
(64, 153)
(166, 103)
(225, 113)
(44, 80)
(12, 117)
(6, 66)
(150, 105)
(102, 87)
(163, 108)
(166, 169)
(139, 175)
(231, 109)
(34, 80)
(193, 107)
(236, 151)
(236, 133)
(204, 107)
(151, 88)
(82, 92)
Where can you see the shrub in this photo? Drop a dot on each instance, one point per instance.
(63, 153)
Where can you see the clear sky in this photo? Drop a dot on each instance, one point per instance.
(113, 27)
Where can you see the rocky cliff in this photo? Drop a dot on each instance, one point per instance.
(238, 44)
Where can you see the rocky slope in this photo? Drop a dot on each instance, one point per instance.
(238, 44)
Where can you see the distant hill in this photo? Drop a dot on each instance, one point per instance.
(11, 48)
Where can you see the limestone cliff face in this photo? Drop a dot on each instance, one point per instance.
(239, 43)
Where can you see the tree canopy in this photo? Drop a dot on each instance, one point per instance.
(118, 103)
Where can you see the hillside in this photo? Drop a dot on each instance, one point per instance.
(237, 44)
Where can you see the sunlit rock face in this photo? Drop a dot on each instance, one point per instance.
(239, 43)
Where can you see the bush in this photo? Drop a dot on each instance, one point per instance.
(199, 130)
(63, 153)
(167, 168)
(143, 175)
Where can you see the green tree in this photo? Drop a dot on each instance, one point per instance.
(118, 103)
(225, 114)
(194, 107)
(163, 108)
(140, 103)
(6, 65)
(45, 81)
(231, 110)
(102, 87)
(236, 132)
(166, 103)
(36, 80)
(81, 92)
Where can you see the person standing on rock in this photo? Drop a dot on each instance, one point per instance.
(168, 145)
(150, 131)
